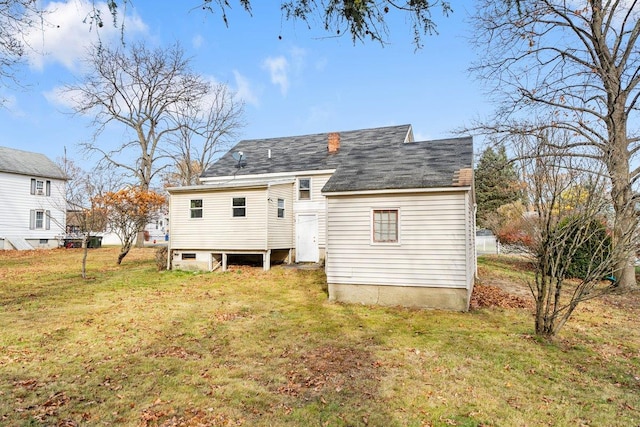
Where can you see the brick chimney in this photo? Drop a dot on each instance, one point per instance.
(334, 142)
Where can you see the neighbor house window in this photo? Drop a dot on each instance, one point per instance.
(280, 208)
(40, 220)
(239, 206)
(40, 187)
(385, 225)
(304, 189)
(196, 208)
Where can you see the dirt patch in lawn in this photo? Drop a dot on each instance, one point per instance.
(329, 369)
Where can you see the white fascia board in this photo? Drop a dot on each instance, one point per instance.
(265, 176)
(396, 191)
(204, 187)
(226, 185)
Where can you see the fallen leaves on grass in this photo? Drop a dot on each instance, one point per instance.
(177, 352)
(330, 369)
(192, 418)
(493, 296)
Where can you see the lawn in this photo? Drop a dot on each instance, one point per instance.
(134, 346)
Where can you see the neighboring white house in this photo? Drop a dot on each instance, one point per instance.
(392, 218)
(32, 200)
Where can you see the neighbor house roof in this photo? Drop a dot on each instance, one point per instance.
(28, 163)
(302, 153)
(428, 164)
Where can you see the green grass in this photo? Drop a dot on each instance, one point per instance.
(134, 346)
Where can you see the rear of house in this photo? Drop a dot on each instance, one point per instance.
(33, 205)
(401, 227)
(393, 219)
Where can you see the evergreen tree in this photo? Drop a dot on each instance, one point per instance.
(496, 183)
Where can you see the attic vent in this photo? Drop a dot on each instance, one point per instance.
(463, 177)
(334, 142)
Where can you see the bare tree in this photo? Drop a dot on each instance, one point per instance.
(145, 91)
(204, 132)
(578, 66)
(84, 218)
(156, 96)
(570, 247)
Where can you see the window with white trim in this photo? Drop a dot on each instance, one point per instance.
(40, 220)
(385, 225)
(304, 188)
(40, 187)
(280, 208)
(196, 208)
(239, 207)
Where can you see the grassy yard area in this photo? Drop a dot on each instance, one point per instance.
(134, 346)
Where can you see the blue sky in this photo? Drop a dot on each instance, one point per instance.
(306, 82)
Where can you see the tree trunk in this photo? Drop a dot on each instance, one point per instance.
(626, 222)
(123, 252)
(85, 249)
(140, 239)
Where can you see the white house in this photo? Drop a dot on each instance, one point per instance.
(392, 218)
(32, 200)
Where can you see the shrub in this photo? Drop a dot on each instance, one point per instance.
(587, 246)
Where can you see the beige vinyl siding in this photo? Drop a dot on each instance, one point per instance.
(281, 229)
(317, 204)
(432, 247)
(218, 229)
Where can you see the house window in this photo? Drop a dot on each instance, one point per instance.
(280, 208)
(196, 208)
(40, 187)
(239, 207)
(189, 256)
(40, 220)
(385, 226)
(44, 241)
(304, 189)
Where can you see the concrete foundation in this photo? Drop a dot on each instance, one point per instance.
(406, 296)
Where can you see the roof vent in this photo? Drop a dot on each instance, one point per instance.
(334, 142)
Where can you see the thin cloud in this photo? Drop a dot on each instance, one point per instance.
(67, 33)
(61, 97)
(244, 90)
(278, 69)
(197, 41)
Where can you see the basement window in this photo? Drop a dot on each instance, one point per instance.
(385, 225)
(188, 256)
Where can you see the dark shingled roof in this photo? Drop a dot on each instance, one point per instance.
(303, 153)
(27, 163)
(425, 164)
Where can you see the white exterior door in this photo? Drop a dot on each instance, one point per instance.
(307, 238)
